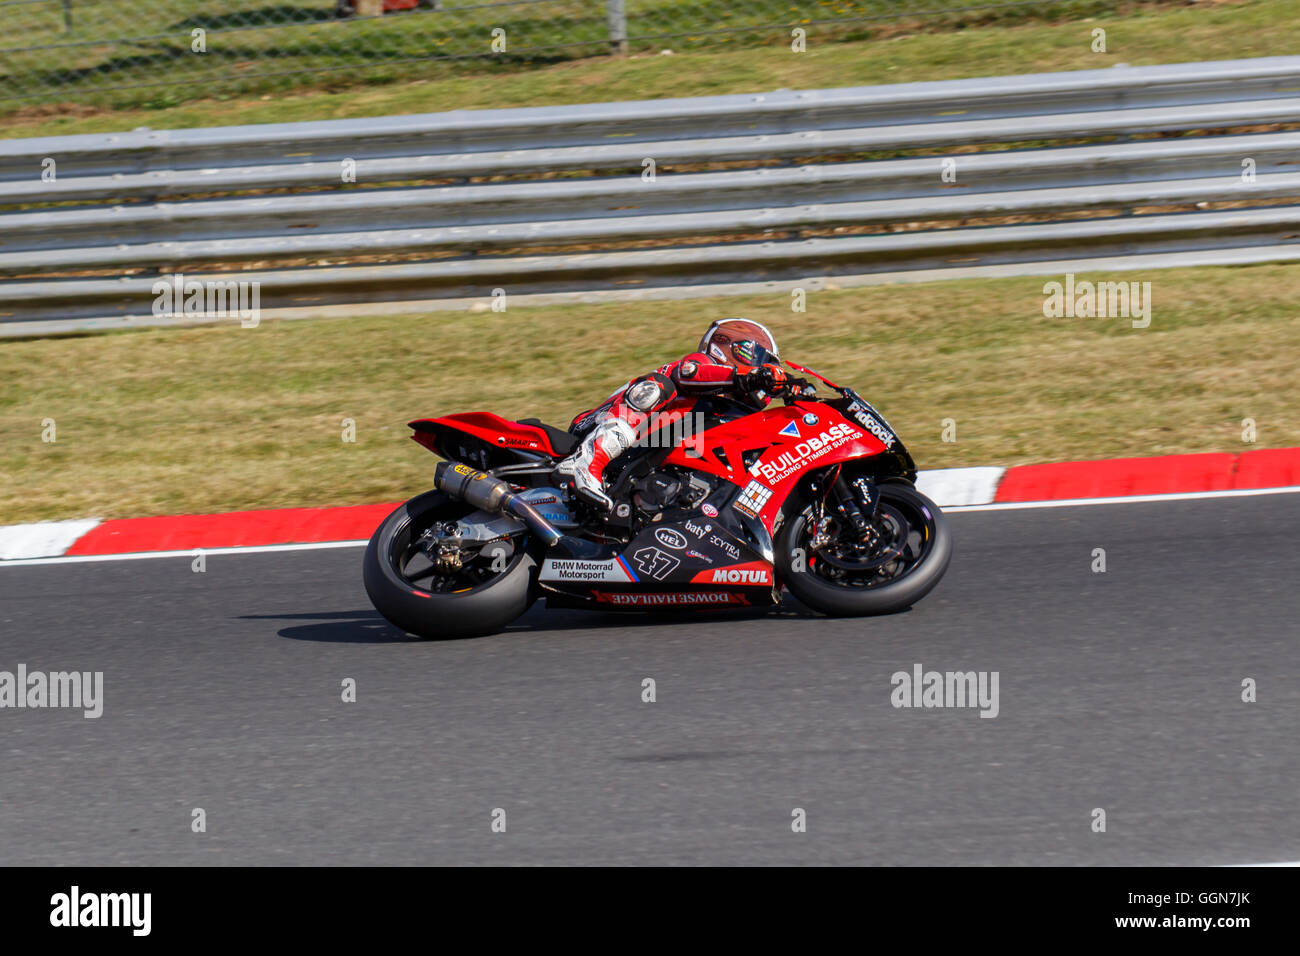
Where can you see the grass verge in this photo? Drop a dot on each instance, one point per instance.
(224, 418)
(1137, 35)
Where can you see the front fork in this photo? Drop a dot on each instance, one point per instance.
(857, 499)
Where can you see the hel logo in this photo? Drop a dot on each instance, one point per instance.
(741, 576)
(792, 430)
(671, 539)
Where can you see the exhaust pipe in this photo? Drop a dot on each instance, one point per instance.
(493, 495)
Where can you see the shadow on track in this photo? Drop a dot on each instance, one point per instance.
(337, 627)
(369, 627)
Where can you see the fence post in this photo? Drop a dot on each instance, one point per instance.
(617, 28)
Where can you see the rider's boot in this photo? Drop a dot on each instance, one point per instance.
(586, 466)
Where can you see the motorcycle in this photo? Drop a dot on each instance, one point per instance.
(718, 506)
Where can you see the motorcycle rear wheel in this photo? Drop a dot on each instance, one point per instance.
(433, 605)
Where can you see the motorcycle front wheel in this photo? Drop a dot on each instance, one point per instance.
(832, 569)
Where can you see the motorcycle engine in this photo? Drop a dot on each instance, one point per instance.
(660, 490)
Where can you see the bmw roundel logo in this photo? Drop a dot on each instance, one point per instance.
(810, 419)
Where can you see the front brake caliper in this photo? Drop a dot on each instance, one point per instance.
(823, 531)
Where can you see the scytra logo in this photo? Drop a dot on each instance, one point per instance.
(726, 546)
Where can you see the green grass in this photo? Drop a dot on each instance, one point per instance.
(148, 43)
(223, 418)
(979, 43)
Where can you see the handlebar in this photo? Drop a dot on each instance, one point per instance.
(790, 388)
(796, 388)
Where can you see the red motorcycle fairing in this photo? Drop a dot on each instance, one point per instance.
(499, 434)
(793, 439)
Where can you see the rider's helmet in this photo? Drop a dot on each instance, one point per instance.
(739, 343)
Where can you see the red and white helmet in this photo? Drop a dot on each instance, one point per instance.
(739, 343)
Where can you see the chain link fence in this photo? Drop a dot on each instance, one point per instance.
(158, 52)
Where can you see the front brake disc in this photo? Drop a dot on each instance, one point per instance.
(881, 552)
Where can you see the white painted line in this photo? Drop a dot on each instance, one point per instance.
(1286, 863)
(140, 555)
(948, 487)
(42, 538)
(1127, 499)
(998, 506)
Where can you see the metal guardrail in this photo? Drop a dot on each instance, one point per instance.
(509, 184)
(808, 112)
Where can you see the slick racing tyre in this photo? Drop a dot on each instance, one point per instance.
(428, 587)
(834, 570)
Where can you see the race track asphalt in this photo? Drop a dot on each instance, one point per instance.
(1118, 690)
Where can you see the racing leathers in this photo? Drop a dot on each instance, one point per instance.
(651, 404)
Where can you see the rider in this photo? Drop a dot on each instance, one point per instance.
(728, 362)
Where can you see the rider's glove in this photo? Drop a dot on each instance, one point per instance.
(767, 378)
